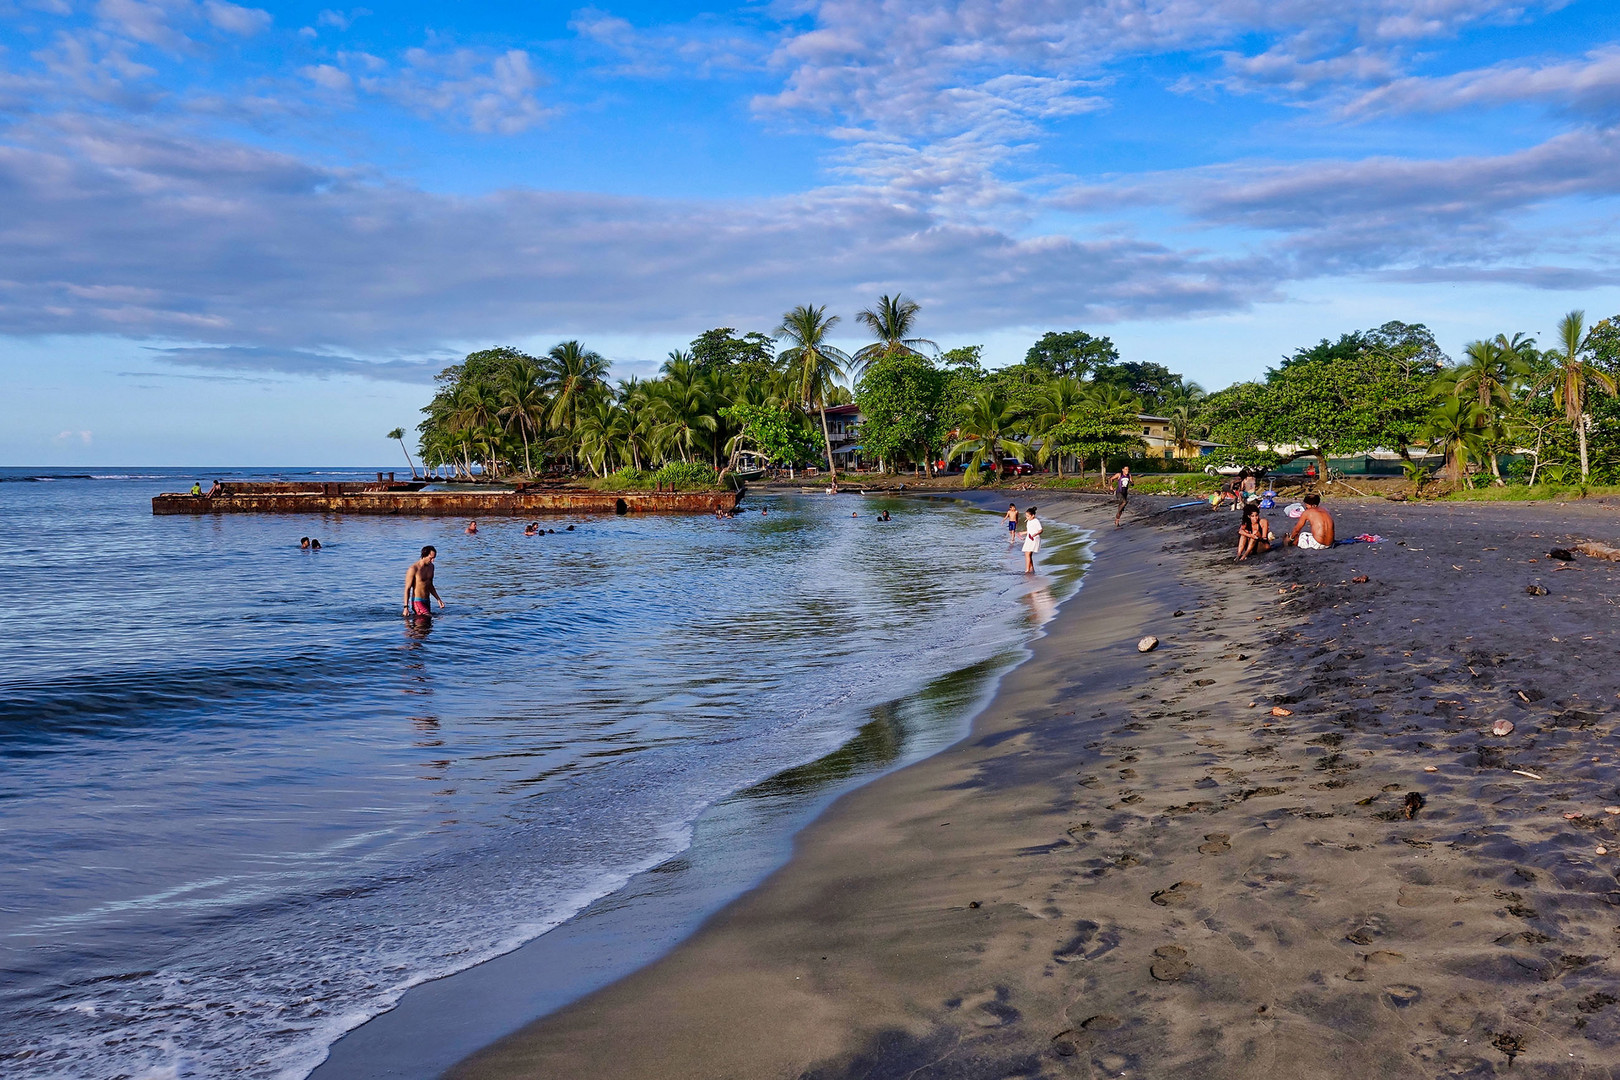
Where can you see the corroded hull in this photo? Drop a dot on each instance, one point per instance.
(468, 504)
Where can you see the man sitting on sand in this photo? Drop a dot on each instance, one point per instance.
(1319, 523)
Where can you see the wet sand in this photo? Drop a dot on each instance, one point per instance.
(1132, 867)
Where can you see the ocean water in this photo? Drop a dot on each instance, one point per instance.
(244, 807)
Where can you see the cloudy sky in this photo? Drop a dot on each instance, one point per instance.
(243, 235)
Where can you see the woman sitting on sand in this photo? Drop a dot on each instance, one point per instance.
(1254, 533)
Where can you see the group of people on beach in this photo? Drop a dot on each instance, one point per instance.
(1312, 531)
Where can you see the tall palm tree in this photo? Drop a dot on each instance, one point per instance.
(1058, 403)
(893, 322)
(683, 407)
(399, 433)
(1183, 429)
(572, 376)
(1574, 375)
(1455, 427)
(473, 412)
(523, 405)
(1488, 373)
(986, 432)
(812, 364)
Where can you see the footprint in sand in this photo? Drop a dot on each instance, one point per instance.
(1181, 894)
(1215, 843)
(1377, 959)
(1089, 942)
(1373, 926)
(1170, 963)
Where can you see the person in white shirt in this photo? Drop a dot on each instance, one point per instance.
(1032, 539)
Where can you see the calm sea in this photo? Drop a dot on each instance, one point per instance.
(243, 807)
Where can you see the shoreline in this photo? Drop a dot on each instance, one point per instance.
(735, 844)
(1143, 870)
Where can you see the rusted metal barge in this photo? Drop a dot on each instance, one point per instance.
(407, 500)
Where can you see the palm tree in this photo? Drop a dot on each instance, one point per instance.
(812, 364)
(893, 322)
(986, 432)
(1183, 429)
(572, 376)
(523, 405)
(473, 412)
(399, 433)
(1455, 428)
(683, 406)
(1574, 374)
(1489, 372)
(1058, 403)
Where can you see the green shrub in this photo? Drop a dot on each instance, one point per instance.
(686, 476)
(626, 479)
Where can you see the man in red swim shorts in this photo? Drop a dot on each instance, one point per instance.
(419, 586)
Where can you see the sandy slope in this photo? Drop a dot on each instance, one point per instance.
(1129, 870)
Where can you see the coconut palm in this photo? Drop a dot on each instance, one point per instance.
(1488, 373)
(811, 364)
(1455, 429)
(399, 434)
(1184, 429)
(1058, 403)
(893, 322)
(1575, 375)
(682, 405)
(523, 406)
(986, 432)
(473, 411)
(572, 376)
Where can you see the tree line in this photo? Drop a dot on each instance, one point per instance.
(1072, 401)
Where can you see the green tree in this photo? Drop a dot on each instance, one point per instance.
(721, 349)
(1102, 426)
(775, 431)
(399, 434)
(1151, 383)
(812, 364)
(902, 401)
(986, 433)
(1061, 401)
(893, 322)
(1454, 429)
(573, 377)
(523, 405)
(1575, 376)
(1071, 353)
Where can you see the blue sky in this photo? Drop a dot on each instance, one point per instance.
(245, 235)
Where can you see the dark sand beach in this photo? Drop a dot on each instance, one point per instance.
(1133, 867)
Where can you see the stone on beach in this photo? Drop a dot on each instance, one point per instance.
(1502, 727)
(1147, 644)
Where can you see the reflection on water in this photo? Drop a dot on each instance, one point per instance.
(239, 820)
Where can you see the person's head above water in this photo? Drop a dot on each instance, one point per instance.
(303, 541)
(429, 551)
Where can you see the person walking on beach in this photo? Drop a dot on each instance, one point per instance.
(1011, 518)
(1122, 491)
(1319, 523)
(1032, 539)
(419, 586)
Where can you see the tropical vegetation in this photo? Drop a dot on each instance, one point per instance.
(1507, 411)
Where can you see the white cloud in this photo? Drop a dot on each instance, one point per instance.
(1591, 83)
(233, 19)
(488, 93)
(328, 77)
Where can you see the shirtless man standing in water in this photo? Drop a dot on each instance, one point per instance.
(419, 586)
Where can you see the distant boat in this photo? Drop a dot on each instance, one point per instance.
(747, 475)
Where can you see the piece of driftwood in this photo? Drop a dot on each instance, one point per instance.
(1594, 550)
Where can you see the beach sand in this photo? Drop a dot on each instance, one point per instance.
(1133, 867)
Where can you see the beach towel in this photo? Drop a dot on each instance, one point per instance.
(1293, 510)
(1364, 538)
